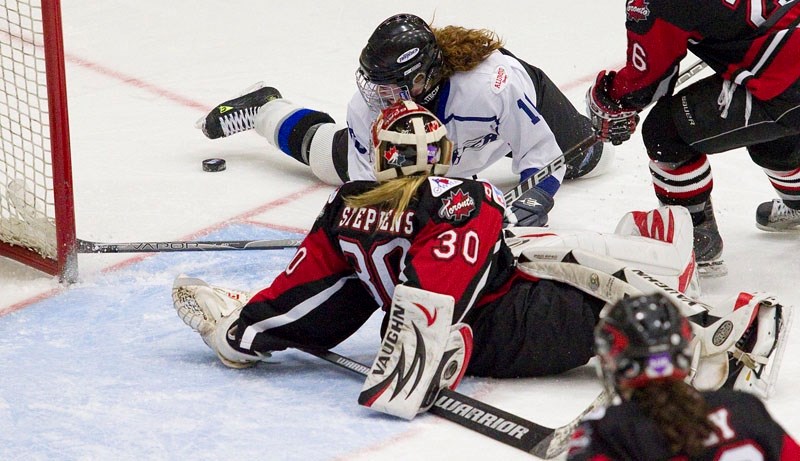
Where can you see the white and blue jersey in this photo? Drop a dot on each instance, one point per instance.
(489, 111)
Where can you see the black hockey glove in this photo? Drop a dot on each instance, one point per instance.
(611, 122)
(531, 207)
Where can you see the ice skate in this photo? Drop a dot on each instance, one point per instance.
(708, 246)
(777, 216)
(237, 114)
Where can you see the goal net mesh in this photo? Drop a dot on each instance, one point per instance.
(31, 195)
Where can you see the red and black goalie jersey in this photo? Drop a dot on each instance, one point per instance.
(745, 430)
(755, 43)
(448, 241)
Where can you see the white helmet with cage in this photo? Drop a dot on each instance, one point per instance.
(409, 139)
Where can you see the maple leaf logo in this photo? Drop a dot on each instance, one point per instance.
(393, 157)
(637, 10)
(459, 205)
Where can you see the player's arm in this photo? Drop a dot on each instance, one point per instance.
(653, 60)
(585, 444)
(533, 146)
(359, 153)
(424, 347)
(311, 303)
(655, 49)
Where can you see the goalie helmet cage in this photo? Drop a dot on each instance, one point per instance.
(37, 217)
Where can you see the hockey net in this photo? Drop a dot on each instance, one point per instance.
(37, 223)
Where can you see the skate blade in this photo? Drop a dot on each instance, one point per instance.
(783, 230)
(712, 269)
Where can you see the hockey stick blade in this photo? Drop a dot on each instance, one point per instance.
(541, 441)
(85, 246)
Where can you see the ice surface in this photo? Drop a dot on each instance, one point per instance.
(106, 370)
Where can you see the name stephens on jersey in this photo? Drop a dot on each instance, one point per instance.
(371, 219)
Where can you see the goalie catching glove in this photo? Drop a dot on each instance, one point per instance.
(610, 120)
(421, 353)
(212, 312)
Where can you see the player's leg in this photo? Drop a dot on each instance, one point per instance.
(309, 136)
(780, 160)
(534, 329)
(708, 117)
(659, 242)
(739, 344)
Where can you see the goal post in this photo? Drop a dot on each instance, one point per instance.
(37, 215)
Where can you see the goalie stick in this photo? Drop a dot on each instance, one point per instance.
(85, 246)
(541, 441)
(575, 150)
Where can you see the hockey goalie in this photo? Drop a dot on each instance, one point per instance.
(459, 294)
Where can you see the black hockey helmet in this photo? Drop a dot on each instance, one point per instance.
(643, 339)
(408, 139)
(401, 61)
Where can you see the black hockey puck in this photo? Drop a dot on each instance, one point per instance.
(214, 164)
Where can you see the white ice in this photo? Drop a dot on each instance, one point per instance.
(105, 370)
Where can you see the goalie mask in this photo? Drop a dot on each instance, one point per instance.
(408, 139)
(401, 61)
(643, 339)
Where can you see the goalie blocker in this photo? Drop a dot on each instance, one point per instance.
(421, 353)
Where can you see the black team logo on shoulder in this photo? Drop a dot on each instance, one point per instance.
(459, 205)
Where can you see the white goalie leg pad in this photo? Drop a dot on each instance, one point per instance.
(707, 373)
(709, 368)
(753, 332)
(761, 363)
(586, 277)
(671, 225)
(662, 246)
(413, 346)
(211, 311)
(320, 153)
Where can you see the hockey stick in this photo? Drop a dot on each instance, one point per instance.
(485, 419)
(548, 169)
(85, 246)
(693, 70)
(575, 150)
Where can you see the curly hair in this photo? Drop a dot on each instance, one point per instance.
(680, 413)
(463, 49)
